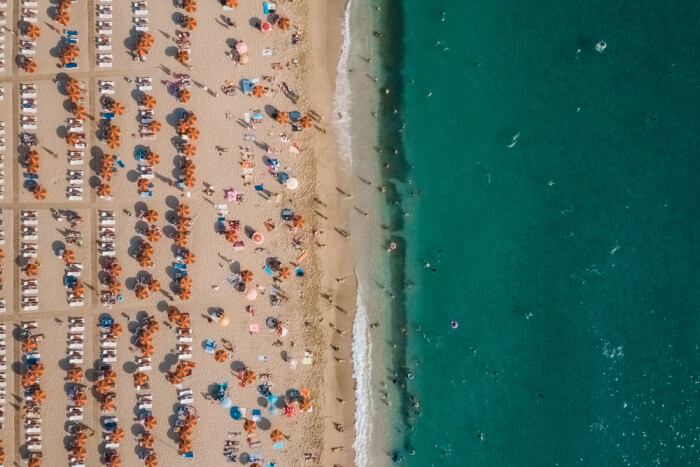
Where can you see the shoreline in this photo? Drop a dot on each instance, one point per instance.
(325, 21)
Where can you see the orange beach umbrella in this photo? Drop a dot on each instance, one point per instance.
(283, 117)
(32, 31)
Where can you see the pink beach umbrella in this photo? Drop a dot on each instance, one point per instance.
(251, 294)
(241, 48)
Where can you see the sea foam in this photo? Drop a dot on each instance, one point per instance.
(342, 97)
(361, 357)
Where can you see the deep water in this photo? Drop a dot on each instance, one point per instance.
(569, 260)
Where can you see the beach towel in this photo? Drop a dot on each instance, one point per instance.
(254, 328)
(259, 187)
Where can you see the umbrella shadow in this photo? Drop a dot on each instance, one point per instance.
(133, 176)
(168, 362)
(57, 246)
(235, 267)
(172, 202)
(255, 22)
(264, 424)
(271, 110)
(237, 366)
(130, 367)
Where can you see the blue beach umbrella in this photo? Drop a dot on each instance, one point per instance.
(235, 413)
(226, 402)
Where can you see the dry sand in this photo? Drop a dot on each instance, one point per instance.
(315, 167)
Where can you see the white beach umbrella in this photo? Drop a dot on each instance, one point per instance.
(292, 183)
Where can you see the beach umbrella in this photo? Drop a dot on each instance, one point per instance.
(102, 387)
(298, 221)
(150, 216)
(146, 39)
(151, 461)
(182, 127)
(68, 256)
(258, 91)
(186, 282)
(148, 101)
(182, 56)
(189, 150)
(110, 376)
(79, 111)
(232, 3)
(305, 404)
(146, 249)
(34, 462)
(40, 193)
(188, 257)
(33, 169)
(283, 23)
(108, 405)
(80, 438)
(38, 395)
(153, 235)
(29, 65)
(147, 440)
(185, 445)
(75, 375)
(189, 181)
(140, 49)
(140, 379)
(75, 95)
(32, 157)
(104, 190)
(192, 133)
(258, 238)
(176, 379)
(241, 47)
(115, 287)
(147, 351)
(190, 6)
(29, 345)
(220, 356)
(145, 261)
(149, 422)
(183, 320)
(117, 108)
(173, 313)
(185, 294)
(62, 17)
(107, 173)
(265, 27)
(154, 285)
(306, 121)
(79, 453)
(155, 126)
(251, 294)
(114, 270)
(28, 380)
(72, 139)
(246, 276)
(113, 142)
(191, 420)
(285, 273)
(189, 23)
(141, 292)
(143, 185)
(31, 270)
(107, 159)
(113, 131)
(116, 436)
(231, 236)
(276, 436)
(32, 31)
(114, 461)
(71, 51)
(37, 369)
(184, 95)
(115, 329)
(191, 118)
(181, 239)
(79, 287)
(248, 377)
(249, 426)
(80, 400)
(289, 411)
(183, 210)
(183, 224)
(283, 117)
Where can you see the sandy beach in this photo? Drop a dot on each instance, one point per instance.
(316, 308)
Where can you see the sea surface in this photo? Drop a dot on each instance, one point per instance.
(553, 190)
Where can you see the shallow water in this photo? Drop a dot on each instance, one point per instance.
(568, 259)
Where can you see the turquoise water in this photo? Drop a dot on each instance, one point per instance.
(569, 260)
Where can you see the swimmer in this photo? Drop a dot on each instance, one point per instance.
(454, 324)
